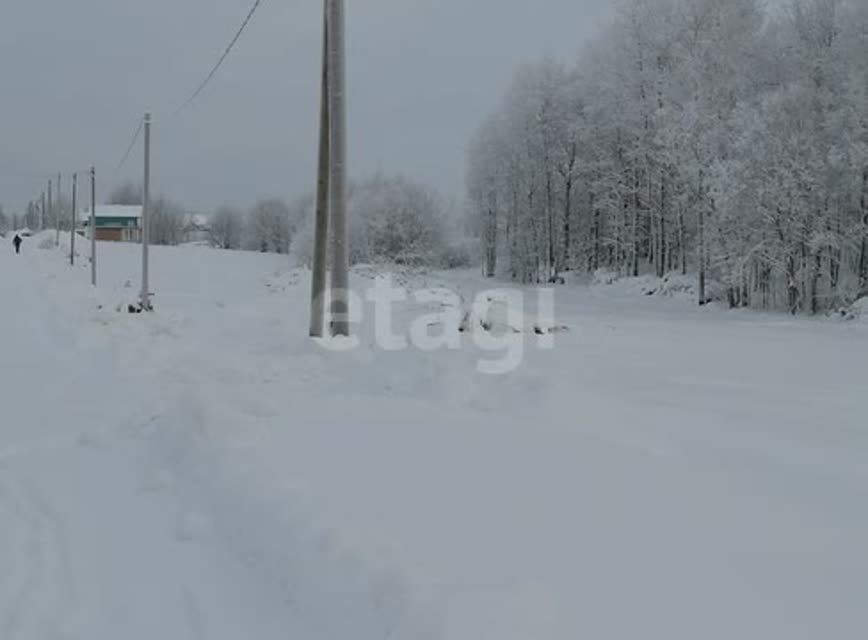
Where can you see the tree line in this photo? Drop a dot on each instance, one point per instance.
(267, 226)
(392, 220)
(30, 219)
(706, 136)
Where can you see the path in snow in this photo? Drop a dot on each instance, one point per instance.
(96, 543)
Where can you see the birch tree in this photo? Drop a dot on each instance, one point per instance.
(701, 136)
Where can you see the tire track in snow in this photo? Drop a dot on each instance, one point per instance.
(21, 565)
(43, 592)
(331, 588)
(193, 614)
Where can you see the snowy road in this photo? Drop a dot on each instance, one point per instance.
(95, 543)
(206, 472)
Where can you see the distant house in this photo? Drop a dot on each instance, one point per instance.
(197, 228)
(115, 223)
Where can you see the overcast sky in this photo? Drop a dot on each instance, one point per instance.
(76, 75)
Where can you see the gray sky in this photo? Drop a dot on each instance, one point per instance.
(75, 75)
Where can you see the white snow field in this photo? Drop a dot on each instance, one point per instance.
(208, 472)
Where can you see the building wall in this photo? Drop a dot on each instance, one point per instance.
(109, 235)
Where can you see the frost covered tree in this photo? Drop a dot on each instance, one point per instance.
(703, 136)
(166, 221)
(166, 216)
(227, 228)
(126, 194)
(524, 171)
(392, 220)
(60, 212)
(402, 221)
(269, 227)
(32, 216)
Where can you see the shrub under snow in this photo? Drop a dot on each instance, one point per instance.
(395, 221)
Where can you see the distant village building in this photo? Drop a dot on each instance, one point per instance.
(115, 223)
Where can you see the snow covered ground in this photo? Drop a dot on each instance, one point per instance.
(207, 471)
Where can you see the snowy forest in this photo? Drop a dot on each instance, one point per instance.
(718, 138)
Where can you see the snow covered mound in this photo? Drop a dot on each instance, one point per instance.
(857, 311)
(401, 275)
(672, 285)
(45, 241)
(499, 314)
(280, 281)
(604, 277)
(48, 239)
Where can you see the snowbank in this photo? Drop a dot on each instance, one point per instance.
(858, 311)
(501, 313)
(672, 285)
(605, 277)
(48, 240)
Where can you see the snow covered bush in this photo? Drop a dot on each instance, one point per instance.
(270, 227)
(227, 228)
(402, 221)
(392, 220)
(857, 311)
(459, 254)
(604, 277)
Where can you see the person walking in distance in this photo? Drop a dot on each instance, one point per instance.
(17, 242)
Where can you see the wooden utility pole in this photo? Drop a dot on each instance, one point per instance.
(320, 252)
(93, 226)
(72, 221)
(145, 297)
(338, 169)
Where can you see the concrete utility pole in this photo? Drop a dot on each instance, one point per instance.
(145, 298)
(338, 169)
(50, 205)
(93, 226)
(42, 213)
(59, 211)
(320, 252)
(72, 222)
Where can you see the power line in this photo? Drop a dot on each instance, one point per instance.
(132, 144)
(195, 94)
(222, 59)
